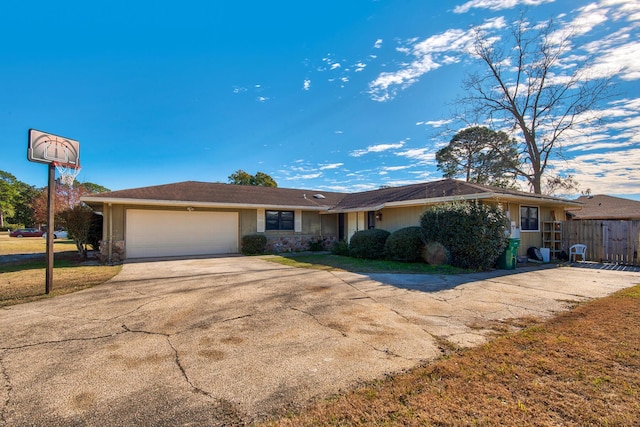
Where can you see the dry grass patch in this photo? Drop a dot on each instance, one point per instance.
(580, 368)
(26, 282)
(22, 279)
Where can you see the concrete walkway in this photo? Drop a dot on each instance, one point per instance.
(226, 341)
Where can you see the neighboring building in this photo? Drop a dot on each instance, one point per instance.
(609, 226)
(605, 207)
(198, 218)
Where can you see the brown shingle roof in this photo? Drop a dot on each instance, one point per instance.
(445, 188)
(205, 192)
(192, 192)
(606, 207)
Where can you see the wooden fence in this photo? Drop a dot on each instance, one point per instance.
(607, 240)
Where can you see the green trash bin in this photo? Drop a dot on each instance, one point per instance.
(509, 258)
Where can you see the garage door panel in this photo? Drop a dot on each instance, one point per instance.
(178, 233)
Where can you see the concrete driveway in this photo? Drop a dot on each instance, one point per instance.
(226, 341)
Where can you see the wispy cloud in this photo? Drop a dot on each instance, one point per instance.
(376, 149)
(304, 176)
(395, 168)
(496, 4)
(306, 85)
(378, 44)
(331, 166)
(435, 123)
(422, 155)
(429, 54)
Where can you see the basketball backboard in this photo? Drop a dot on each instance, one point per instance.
(46, 148)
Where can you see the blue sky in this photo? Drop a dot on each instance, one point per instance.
(328, 95)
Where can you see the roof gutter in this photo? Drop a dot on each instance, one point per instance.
(434, 200)
(195, 204)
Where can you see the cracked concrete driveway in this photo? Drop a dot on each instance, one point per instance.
(227, 341)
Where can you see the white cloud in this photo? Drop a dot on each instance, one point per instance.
(262, 99)
(395, 168)
(613, 172)
(435, 123)
(304, 176)
(331, 166)
(422, 155)
(359, 66)
(376, 149)
(430, 54)
(306, 85)
(335, 65)
(378, 44)
(496, 4)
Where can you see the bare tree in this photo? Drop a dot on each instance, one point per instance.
(530, 84)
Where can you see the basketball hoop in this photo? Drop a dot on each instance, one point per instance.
(68, 173)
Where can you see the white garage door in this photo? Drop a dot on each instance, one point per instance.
(177, 233)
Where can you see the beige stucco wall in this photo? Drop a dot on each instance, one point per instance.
(313, 224)
(396, 218)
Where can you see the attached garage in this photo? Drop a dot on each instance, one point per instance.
(153, 233)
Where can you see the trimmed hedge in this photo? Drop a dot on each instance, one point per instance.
(254, 244)
(340, 248)
(473, 233)
(368, 244)
(405, 244)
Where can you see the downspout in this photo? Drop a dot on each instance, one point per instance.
(110, 233)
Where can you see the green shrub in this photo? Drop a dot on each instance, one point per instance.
(404, 244)
(316, 245)
(340, 248)
(254, 244)
(473, 233)
(368, 244)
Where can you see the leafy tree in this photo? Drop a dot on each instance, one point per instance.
(536, 84)
(94, 188)
(78, 221)
(240, 177)
(65, 198)
(481, 155)
(70, 212)
(260, 179)
(8, 195)
(23, 210)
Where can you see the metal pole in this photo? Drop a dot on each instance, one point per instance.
(51, 190)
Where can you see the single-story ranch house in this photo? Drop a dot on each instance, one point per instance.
(200, 218)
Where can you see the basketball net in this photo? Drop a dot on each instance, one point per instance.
(67, 173)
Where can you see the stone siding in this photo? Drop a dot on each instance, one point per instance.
(282, 244)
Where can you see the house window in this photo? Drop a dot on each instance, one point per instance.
(529, 218)
(279, 220)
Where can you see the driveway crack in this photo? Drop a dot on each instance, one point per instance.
(176, 359)
(345, 335)
(36, 344)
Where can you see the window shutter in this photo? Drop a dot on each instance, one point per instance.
(298, 221)
(260, 220)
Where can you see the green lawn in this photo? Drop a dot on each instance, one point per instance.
(323, 261)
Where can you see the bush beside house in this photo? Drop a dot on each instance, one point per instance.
(254, 244)
(405, 244)
(368, 244)
(473, 233)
